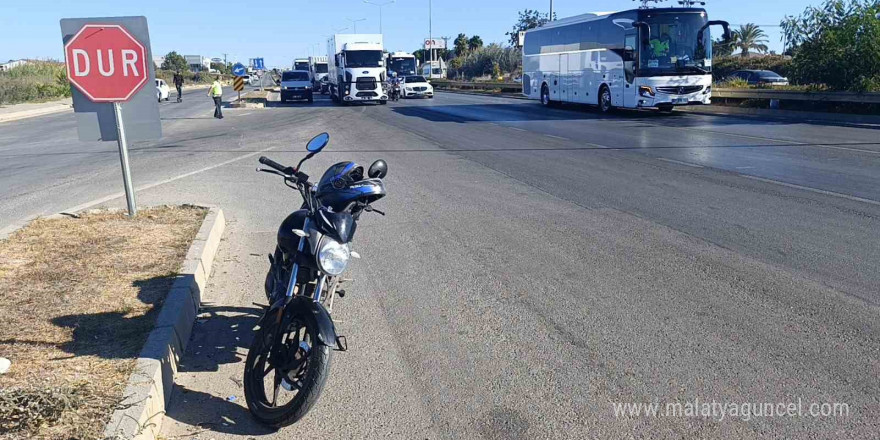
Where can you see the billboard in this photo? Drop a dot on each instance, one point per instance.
(435, 43)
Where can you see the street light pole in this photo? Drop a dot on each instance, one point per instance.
(380, 5)
(354, 24)
(430, 41)
(550, 18)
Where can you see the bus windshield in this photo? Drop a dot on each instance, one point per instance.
(321, 68)
(674, 47)
(403, 66)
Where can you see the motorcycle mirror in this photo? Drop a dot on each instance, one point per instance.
(378, 169)
(318, 143)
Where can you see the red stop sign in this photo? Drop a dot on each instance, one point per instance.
(106, 63)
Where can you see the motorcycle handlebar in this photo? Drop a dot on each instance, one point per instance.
(271, 163)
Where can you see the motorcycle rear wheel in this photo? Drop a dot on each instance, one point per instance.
(311, 363)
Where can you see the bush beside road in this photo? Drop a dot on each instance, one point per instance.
(36, 81)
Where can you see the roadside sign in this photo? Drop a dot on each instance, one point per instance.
(108, 69)
(258, 64)
(239, 70)
(238, 84)
(106, 63)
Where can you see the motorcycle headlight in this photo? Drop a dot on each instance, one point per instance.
(333, 256)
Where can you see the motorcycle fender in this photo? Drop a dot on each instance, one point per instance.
(286, 309)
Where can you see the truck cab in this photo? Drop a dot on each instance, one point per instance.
(357, 68)
(319, 68)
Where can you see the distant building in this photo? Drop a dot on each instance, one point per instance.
(197, 63)
(158, 61)
(11, 64)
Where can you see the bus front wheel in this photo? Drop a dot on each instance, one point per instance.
(605, 99)
(545, 96)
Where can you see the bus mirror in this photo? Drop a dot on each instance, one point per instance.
(646, 31)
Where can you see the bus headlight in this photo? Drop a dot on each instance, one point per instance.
(646, 91)
(333, 256)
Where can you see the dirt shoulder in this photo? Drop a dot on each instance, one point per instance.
(78, 297)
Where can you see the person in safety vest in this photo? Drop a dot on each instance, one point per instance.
(216, 92)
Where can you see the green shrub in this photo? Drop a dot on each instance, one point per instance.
(34, 81)
(482, 61)
(837, 44)
(724, 66)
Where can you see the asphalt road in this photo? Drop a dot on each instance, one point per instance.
(536, 267)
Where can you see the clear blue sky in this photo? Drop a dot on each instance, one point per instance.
(282, 30)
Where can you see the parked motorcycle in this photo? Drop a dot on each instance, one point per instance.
(289, 359)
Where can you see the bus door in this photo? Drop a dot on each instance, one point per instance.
(630, 57)
(564, 79)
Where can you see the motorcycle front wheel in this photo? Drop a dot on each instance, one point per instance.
(282, 383)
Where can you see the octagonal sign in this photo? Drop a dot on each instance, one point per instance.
(106, 63)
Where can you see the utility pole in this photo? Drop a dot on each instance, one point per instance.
(431, 41)
(550, 18)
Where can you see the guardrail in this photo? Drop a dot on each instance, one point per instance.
(797, 95)
(782, 95)
(503, 87)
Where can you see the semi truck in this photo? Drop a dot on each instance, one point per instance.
(301, 64)
(356, 67)
(318, 68)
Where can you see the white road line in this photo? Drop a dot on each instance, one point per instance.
(557, 137)
(105, 199)
(680, 162)
(517, 128)
(785, 142)
(815, 190)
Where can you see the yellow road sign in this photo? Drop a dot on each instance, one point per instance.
(238, 84)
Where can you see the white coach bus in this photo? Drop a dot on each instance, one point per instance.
(638, 58)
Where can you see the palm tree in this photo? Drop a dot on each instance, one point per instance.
(461, 45)
(749, 36)
(475, 43)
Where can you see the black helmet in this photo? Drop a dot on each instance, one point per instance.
(344, 183)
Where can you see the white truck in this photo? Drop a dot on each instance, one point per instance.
(301, 64)
(356, 67)
(318, 68)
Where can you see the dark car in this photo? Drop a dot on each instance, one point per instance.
(760, 77)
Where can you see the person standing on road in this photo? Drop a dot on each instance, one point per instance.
(216, 92)
(178, 84)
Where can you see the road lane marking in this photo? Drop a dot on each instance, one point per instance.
(557, 137)
(785, 142)
(517, 129)
(687, 164)
(814, 190)
(142, 188)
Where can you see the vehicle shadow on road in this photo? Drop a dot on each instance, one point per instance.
(204, 412)
(221, 335)
(523, 112)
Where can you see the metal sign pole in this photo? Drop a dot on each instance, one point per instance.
(123, 157)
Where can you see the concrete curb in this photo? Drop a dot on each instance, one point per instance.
(149, 387)
(9, 117)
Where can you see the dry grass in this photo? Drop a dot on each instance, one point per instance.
(78, 297)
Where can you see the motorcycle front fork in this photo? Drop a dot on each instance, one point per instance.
(319, 285)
